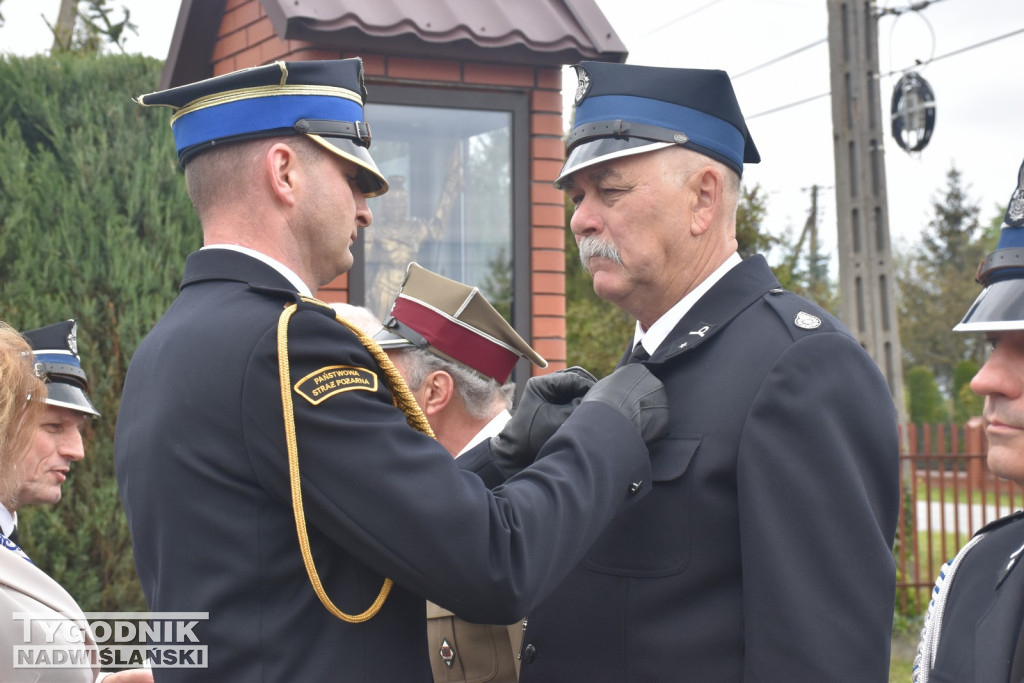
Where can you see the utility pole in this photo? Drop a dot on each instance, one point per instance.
(810, 228)
(866, 277)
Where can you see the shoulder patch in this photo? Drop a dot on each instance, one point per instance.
(318, 386)
(1002, 521)
(806, 321)
(800, 315)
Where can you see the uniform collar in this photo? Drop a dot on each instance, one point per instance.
(233, 265)
(663, 326)
(490, 429)
(7, 520)
(284, 270)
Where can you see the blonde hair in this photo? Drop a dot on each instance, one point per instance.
(22, 396)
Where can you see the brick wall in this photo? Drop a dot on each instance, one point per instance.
(247, 38)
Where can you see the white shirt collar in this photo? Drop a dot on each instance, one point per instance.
(285, 271)
(7, 520)
(489, 430)
(661, 328)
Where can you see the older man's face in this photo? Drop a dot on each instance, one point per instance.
(631, 223)
(56, 444)
(1001, 382)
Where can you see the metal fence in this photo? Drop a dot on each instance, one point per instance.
(948, 494)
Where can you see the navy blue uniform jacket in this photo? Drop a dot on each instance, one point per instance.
(201, 463)
(763, 552)
(982, 639)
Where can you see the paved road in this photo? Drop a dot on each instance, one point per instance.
(966, 519)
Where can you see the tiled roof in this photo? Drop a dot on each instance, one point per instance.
(529, 32)
(523, 31)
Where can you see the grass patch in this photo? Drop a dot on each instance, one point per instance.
(1005, 495)
(901, 669)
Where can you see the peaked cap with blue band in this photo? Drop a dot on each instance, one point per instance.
(322, 100)
(1000, 306)
(624, 109)
(55, 352)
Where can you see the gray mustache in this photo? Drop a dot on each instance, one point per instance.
(591, 246)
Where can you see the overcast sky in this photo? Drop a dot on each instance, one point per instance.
(979, 91)
(979, 94)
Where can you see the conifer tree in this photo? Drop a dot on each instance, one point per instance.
(94, 225)
(936, 285)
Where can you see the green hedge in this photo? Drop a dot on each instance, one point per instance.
(94, 225)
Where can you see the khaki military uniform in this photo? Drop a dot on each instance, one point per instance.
(461, 652)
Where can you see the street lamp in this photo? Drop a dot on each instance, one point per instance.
(913, 112)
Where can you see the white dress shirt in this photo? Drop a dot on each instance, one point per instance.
(490, 429)
(653, 336)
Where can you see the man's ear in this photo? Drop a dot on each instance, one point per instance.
(284, 172)
(708, 185)
(438, 390)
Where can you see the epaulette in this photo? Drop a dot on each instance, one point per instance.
(1001, 522)
(799, 314)
(289, 295)
(309, 303)
(305, 303)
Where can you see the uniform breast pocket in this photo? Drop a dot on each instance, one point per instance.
(652, 537)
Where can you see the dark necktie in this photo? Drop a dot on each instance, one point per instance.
(639, 354)
(14, 535)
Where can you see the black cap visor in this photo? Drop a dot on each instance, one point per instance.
(69, 396)
(1000, 306)
(370, 180)
(397, 335)
(386, 340)
(600, 150)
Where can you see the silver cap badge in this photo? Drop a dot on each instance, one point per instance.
(583, 86)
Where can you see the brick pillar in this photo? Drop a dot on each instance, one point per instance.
(547, 220)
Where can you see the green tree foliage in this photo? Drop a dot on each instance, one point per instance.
(963, 374)
(94, 225)
(803, 273)
(966, 403)
(497, 284)
(924, 400)
(750, 214)
(936, 285)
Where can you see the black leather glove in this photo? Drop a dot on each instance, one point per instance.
(639, 396)
(546, 403)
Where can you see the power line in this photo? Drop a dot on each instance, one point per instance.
(960, 51)
(896, 71)
(790, 105)
(780, 58)
(678, 19)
